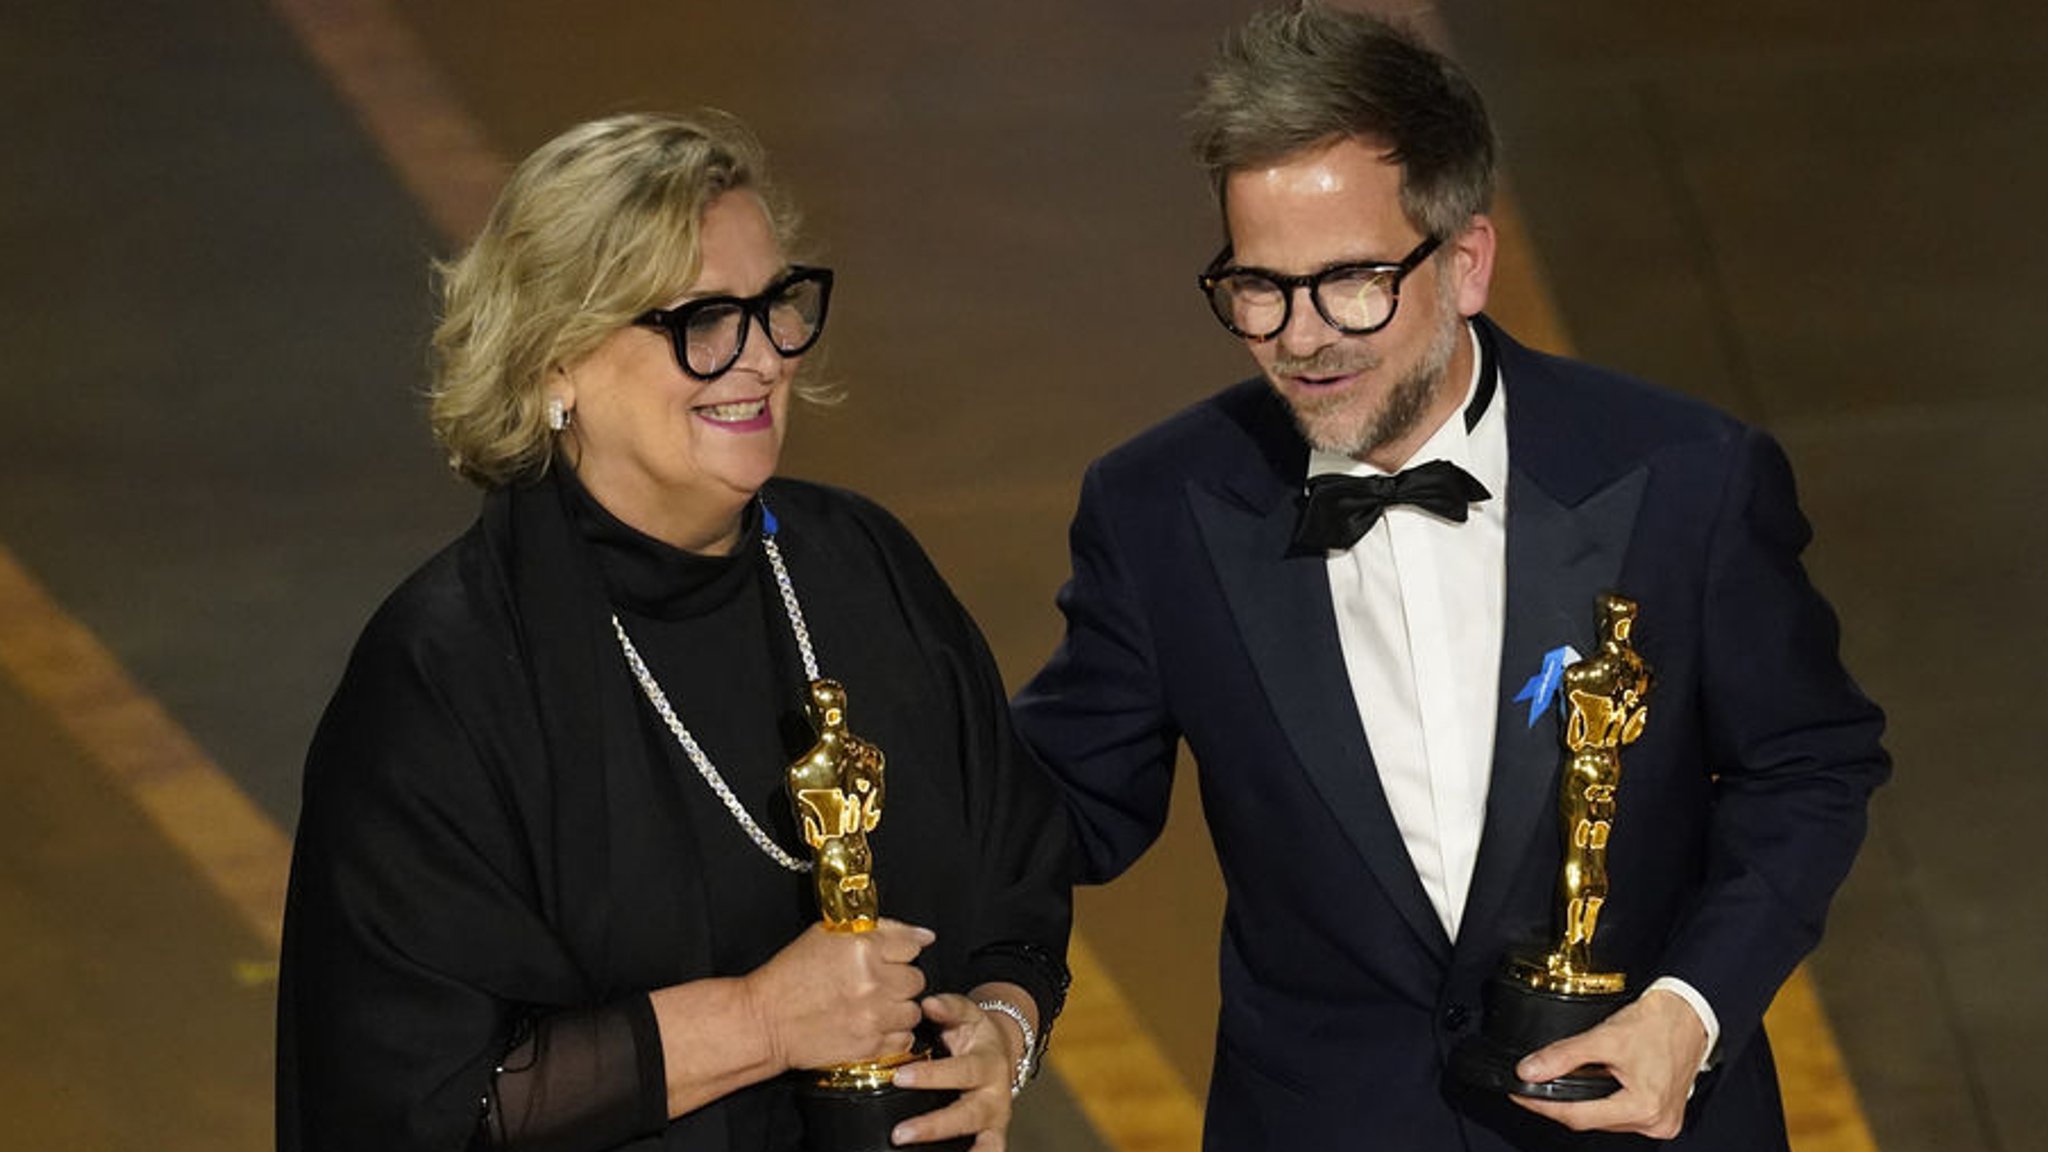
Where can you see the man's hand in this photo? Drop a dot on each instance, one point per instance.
(1654, 1047)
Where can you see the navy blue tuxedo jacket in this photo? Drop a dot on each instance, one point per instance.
(1739, 811)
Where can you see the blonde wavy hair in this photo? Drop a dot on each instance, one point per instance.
(596, 227)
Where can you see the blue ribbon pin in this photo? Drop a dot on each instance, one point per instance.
(1542, 687)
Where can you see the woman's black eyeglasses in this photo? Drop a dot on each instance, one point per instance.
(709, 334)
(1355, 299)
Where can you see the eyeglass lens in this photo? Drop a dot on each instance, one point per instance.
(790, 314)
(1352, 299)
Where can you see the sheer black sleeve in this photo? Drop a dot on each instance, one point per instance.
(579, 1081)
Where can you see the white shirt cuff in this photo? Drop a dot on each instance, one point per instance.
(1700, 1007)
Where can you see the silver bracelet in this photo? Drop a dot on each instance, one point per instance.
(1027, 1064)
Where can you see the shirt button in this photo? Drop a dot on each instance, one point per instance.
(1456, 1017)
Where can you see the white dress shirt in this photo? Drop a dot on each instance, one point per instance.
(1421, 606)
(1420, 602)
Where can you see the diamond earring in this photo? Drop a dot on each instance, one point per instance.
(559, 414)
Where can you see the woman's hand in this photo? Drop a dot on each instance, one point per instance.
(838, 997)
(982, 1051)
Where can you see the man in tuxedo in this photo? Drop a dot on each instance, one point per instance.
(1343, 582)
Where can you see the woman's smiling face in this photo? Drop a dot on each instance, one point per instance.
(672, 455)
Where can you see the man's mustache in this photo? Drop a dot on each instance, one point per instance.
(1330, 361)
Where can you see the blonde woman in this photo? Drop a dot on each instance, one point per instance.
(549, 888)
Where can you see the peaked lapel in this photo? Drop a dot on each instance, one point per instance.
(1281, 606)
(1572, 510)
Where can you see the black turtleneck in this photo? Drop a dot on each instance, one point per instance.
(713, 632)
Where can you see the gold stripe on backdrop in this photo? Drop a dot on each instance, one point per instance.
(72, 677)
(1124, 1084)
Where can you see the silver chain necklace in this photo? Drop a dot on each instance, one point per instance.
(659, 699)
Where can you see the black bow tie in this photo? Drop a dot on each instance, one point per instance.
(1341, 509)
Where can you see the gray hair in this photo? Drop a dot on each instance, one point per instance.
(1288, 81)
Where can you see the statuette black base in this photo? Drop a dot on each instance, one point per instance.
(860, 1120)
(1517, 1021)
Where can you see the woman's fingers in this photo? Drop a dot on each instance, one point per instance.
(900, 942)
(835, 997)
(978, 1068)
(983, 1114)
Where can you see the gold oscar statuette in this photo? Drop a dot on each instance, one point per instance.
(1544, 997)
(1607, 701)
(836, 788)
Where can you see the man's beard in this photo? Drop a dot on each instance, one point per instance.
(1333, 424)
